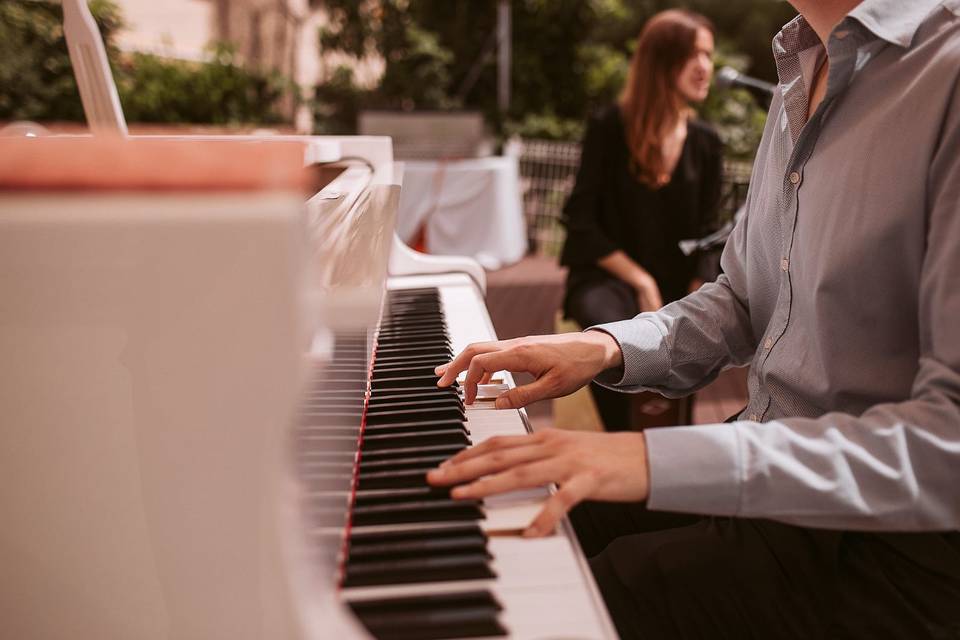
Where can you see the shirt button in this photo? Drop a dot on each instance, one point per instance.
(754, 417)
(768, 343)
(785, 264)
(794, 177)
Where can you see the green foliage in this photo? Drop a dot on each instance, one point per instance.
(154, 89)
(545, 125)
(337, 103)
(569, 58)
(419, 77)
(36, 79)
(37, 82)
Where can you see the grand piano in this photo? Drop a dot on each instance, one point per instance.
(220, 406)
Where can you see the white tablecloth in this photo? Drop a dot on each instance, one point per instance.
(470, 208)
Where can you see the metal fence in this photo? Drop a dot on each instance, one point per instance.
(547, 173)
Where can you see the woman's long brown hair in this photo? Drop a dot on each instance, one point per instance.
(650, 102)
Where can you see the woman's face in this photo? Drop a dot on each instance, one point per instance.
(693, 81)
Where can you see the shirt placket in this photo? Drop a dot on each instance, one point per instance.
(804, 137)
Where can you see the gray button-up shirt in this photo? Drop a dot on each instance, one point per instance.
(841, 289)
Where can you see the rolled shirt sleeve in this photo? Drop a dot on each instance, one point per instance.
(684, 346)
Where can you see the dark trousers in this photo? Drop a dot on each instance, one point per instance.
(668, 575)
(611, 300)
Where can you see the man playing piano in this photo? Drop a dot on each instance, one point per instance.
(830, 506)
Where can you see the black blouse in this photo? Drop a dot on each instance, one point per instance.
(610, 209)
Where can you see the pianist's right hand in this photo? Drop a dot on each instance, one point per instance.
(560, 363)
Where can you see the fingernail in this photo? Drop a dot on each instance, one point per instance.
(459, 492)
(502, 403)
(532, 532)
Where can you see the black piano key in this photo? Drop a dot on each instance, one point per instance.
(375, 538)
(416, 439)
(417, 511)
(419, 292)
(407, 427)
(391, 416)
(461, 566)
(387, 336)
(432, 546)
(369, 497)
(446, 400)
(402, 353)
(438, 358)
(427, 392)
(413, 314)
(403, 451)
(413, 320)
(413, 462)
(433, 344)
(394, 479)
(413, 324)
(397, 378)
(405, 368)
(425, 424)
(431, 617)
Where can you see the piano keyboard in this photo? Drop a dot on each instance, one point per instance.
(416, 564)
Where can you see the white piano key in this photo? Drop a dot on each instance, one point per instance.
(544, 584)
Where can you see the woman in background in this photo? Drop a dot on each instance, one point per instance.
(649, 177)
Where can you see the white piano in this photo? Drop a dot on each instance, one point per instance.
(218, 407)
(543, 585)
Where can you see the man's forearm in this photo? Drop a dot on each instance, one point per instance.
(892, 468)
(716, 332)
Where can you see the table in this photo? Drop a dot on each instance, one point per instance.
(467, 207)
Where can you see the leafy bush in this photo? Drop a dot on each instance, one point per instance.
(417, 74)
(569, 58)
(545, 126)
(337, 103)
(154, 89)
(36, 79)
(37, 82)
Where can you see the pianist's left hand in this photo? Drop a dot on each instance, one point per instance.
(596, 466)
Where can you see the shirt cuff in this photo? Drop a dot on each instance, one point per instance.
(695, 469)
(646, 357)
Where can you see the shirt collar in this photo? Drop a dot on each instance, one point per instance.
(895, 21)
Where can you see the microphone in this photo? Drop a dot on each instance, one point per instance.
(728, 77)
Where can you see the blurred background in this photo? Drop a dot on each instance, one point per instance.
(522, 76)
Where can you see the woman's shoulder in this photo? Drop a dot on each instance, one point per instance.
(704, 133)
(606, 119)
